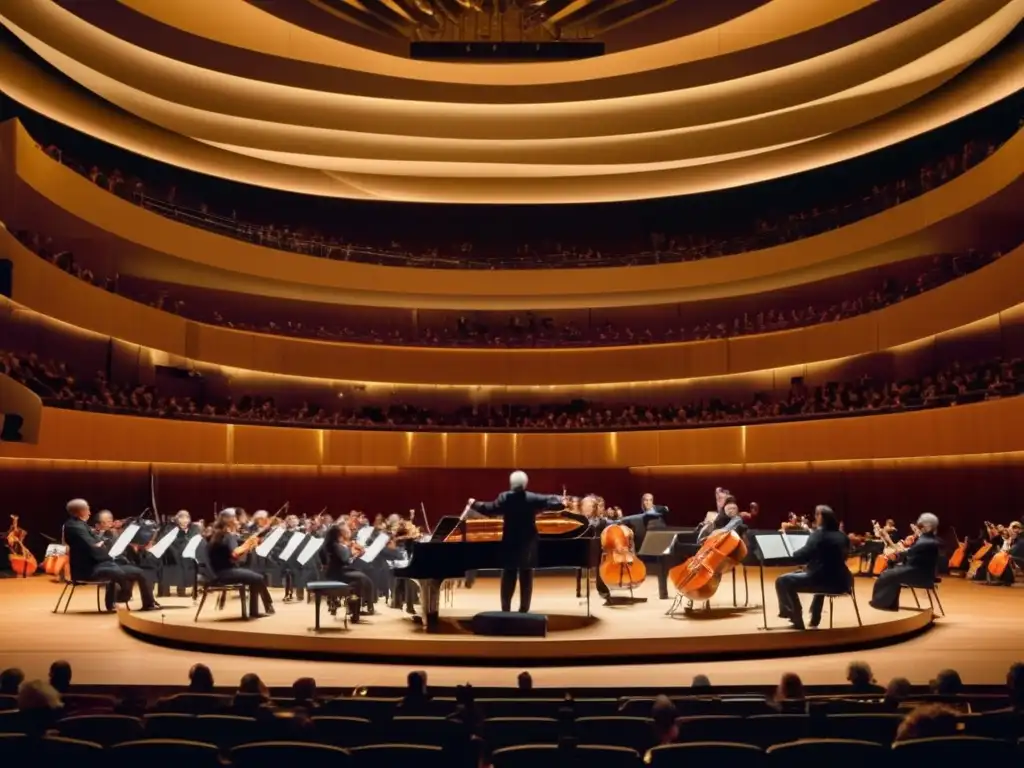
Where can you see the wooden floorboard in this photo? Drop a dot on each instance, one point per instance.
(980, 637)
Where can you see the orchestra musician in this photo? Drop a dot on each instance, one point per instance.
(995, 536)
(87, 553)
(221, 554)
(1013, 543)
(339, 554)
(915, 567)
(650, 515)
(825, 572)
(178, 571)
(728, 516)
(519, 509)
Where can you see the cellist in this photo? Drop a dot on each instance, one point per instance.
(825, 572)
(728, 518)
(1012, 548)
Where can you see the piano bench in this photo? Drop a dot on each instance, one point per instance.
(320, 589)
(831, 596)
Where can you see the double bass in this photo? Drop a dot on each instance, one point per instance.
(956, 560)
(23, 562)
(620, 568)
(698, 578)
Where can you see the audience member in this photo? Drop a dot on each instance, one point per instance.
(525, 681)
(861, 679)
(39, 705)
(416, 700)
(896, 692)
(10, 680)
(701, 683)
(947, 683)
(789, 697)
(304, 693)
(200, 679)
(1015, 686)
(60, 676)
(927, 722)
(663, 720)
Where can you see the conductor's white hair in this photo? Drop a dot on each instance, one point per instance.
(518, 480)
(928, 520)
(76, 504)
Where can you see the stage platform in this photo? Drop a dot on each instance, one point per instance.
(635, 633)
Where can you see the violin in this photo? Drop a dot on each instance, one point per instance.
(698, 578)
(23, 562)
(620, 568)
(255, 538)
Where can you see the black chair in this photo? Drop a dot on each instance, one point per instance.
(73, 584)
(343, 732)
(399, 756)
(105, 730)
(375, 709)
(954, 750)
(226, 731)
(815, 753)
(170, 725)
(994, 725)
(222, 590)
(766, 730)
(8, 702)
(565, 756)
(274, 754)
(634, 733)
(707, 753)
(428, 731)
(729, 728)
(164, 753)
(89, 703)
(932, 592)
(16, 749)
(194, 703)
(60, 750)
(831, 597)
(522, 707)
(502, 732)
(877, 727)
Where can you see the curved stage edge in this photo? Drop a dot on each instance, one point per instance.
(636, 633)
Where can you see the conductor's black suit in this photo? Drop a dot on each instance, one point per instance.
(519, 509)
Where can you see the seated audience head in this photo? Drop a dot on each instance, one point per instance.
(416, 684)
(518, 480)
(1015, 685)
(928, 722)
(825, 519)
(60, 676)
(200, 679)
(928, 523)
(860, 676)
(304, 689)
(525, 681)
(663, 717)
(10, 680)
(251, 684)
(790, 688)
(78, 509)
(947, 683)
(897, 690)
(700, 681)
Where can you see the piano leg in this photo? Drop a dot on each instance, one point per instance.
(430, 602)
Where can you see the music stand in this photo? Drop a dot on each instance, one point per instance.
(659, 544)
(771, 545)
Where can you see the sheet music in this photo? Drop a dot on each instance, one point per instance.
(268, 543)
(192, 547)
(794, 543)
(126, 538)
(292, 546)
(363, 534)
(375, 549)
(164, 544)
(311, 548)
(772, 546)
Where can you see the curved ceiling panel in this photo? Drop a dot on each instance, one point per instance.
(650, 138)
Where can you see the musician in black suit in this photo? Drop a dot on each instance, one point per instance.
(726, 516)
(223, 564)
(915, 567)
(519, 509)
(179, 571)
(825, 571)
(89, 560)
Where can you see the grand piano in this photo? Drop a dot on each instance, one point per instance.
(474, 543)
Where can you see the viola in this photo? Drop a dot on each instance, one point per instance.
(698, 578)
(23, 562)
(620, 568)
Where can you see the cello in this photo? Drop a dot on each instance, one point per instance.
(620, 568)
(23, 562)
(1002, 560)
(978, 559)
(698, 578)
(956, 560)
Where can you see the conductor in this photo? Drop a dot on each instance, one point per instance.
(519, 508)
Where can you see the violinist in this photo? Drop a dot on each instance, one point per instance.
(915, 567)
(340, 553)
(87, 552)
(221, 552)
(796, 523)
(728, 517)
(178, 571)
(825, 572)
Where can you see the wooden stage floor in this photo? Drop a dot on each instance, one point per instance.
(980, 636)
